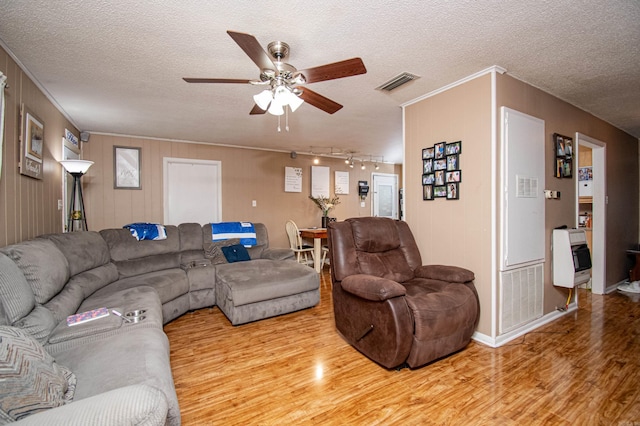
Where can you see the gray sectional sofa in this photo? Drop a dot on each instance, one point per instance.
(119, 372)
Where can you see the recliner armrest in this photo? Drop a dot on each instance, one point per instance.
(452, 274)
(372, 288)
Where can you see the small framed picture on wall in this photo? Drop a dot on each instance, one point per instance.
(427, 153)
(563, 147)
(452, 191)
(439, 150)
(440, 191)
(427, 192)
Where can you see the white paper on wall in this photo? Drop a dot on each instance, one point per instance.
(320, 181)
(342, 183)
(292, 179)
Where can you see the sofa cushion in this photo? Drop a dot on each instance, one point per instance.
(213, 250)
(16, 296)
(39, 324)
(83, 250)
(43, 265)
(145, 265)
(78, 288)
(31, 380)
(123, 246)
(190, 236)
(170, 284)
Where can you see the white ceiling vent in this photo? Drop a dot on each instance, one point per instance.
(397, 81)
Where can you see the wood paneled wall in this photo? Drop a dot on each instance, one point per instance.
(247, 175)
(29, 207)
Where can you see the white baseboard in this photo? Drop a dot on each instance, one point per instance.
(612, 288)
(526, 328)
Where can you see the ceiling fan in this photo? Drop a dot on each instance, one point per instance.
(284, 80)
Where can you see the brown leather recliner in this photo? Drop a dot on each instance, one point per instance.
(387, 304)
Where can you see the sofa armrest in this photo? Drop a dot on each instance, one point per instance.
(137, 404)
(453, 274)
(278, 254)
(372, 288)
(63, 332)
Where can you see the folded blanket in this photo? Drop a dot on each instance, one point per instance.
(225, 230)
(147, 231)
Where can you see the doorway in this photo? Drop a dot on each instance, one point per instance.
(598, 219)
(192, 191)
(384, 201)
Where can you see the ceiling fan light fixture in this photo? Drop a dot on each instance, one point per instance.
(263, 99)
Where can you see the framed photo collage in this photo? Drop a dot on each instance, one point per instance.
(441, 172)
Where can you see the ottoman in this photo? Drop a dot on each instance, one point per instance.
(263, 288)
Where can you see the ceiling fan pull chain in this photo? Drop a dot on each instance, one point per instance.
(286, 117)
(279, 130)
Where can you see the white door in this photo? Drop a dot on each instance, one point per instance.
(192, 191)
(384, 202)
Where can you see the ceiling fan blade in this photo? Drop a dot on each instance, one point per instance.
(341, 69)
(319, 101)
(257, 110)
(252, 48)
(216, 80)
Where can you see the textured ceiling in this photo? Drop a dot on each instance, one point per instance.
(116, 66)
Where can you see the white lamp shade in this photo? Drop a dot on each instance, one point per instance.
(294, 102)
(263, 99)
(276, 108)
(76, 166)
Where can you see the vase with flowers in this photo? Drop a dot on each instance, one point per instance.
(325, 204)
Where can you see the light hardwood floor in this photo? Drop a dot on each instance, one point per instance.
(296, 370)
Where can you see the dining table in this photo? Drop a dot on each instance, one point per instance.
(318, 234)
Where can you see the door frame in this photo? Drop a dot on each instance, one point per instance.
(600, 199)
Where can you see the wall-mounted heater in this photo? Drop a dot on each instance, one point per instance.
(571, 258)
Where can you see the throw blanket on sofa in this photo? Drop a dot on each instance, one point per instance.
(227, 230)
(147, 231)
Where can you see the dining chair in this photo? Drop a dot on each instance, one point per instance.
(325, 252)
(301, 250)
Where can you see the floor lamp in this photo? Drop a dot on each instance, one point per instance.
(76, 168)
